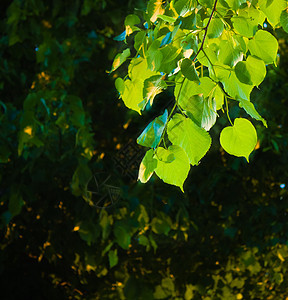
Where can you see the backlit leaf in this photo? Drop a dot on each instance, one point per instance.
(166, 18)
(184, 133)
(147, 166)
(284, 19)
(273, 9)
(152, 87)
(172, 172)
(130, 21)
(264, 45)
(215, 28)
(151, 135)
(184, 6)
(247, 20)
(188, 70)
(251, 71)
(120, 59)
(201, 110)
(155, 9)
(250, 110)
(239, 139)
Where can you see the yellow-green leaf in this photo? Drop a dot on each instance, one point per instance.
(239, 139)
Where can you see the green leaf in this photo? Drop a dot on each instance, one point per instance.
(120, 59)
(247, 20)
(166, 18)
(15, 203)
(201, 110)
(113, 258)
(232, 85)
(250, 109)
(252, 71)
(154, 56)
(120, 85)
(215, 28)
(169, 61)
(284, 19)
(147, 166)
(160, 226)
(143, 240)
(184, 133)
(183, 91)
(143, 217)
(123, 238)
(152, 87)
(140, 43)
(133, 94)
(207, 3)
(228, 54)
(138, 69)
(265, 46)
(130, 21)
(189, 42)
(77, 113)
(172, 172)
(235, 4)
(219, 97)
(183, 7)
(151, 135)
(273, 9)
(239, 139)
(154, 9)
(188, 70)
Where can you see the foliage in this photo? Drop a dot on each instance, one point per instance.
(61, 237)
(210, 52)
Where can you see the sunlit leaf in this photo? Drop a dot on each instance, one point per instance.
(152, 134)
(201, 110)
(120, 59)
(250, 109)
(273, 9)
(154, 56)
(215, 28)
(188, 70)
(247, 20)
(147, 166)
(166, 18)
(239, 139)
(184, 6)
(130, 21)
(184, 133)
(252, 71)
(264, 45)
(155, 9)
(284, 19)
(152, 87)
(172, 172)
(132, 95)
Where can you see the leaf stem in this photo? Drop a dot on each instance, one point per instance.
(227, 110)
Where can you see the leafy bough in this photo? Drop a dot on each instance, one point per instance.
(212, 53)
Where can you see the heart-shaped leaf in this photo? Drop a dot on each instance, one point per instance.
(239, 139)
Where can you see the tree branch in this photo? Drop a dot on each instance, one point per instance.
(206, 30)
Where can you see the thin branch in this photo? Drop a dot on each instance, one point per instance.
(206, 30)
